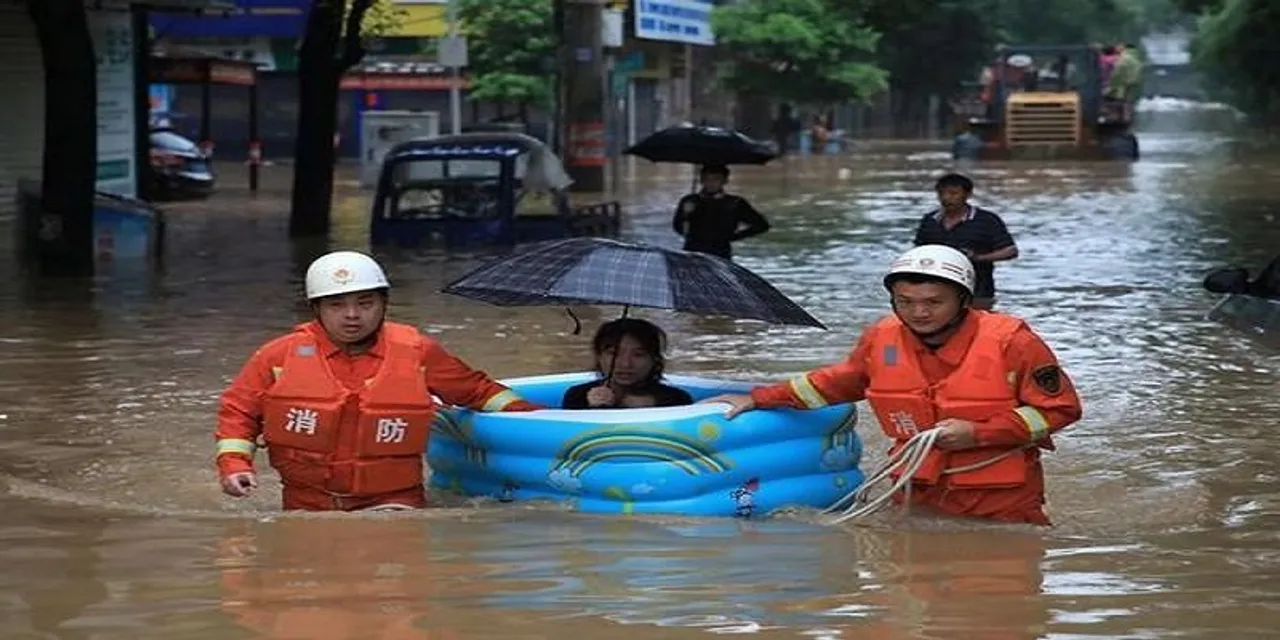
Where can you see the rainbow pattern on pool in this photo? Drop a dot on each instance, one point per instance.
(685, 460)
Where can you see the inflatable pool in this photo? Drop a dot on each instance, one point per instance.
(673, 460)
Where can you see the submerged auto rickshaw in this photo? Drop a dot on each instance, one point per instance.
(482, 188)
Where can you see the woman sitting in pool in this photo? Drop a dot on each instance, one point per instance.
(632, 348)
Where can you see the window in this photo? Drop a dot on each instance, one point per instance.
(427, 170)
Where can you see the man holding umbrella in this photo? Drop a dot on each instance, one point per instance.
(711, 220)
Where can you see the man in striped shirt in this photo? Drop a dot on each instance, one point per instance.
(979, 234)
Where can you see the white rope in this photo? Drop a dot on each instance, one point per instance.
(389, 506)
(907, 461)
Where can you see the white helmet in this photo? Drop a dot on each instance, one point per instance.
(1019, 61)
(343, 272)
(935, 260)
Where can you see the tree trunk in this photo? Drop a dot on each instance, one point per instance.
(907, 120)
(64, 238)
(329, 48)
(753, 117)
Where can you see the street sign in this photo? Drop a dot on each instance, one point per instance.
(453, 51)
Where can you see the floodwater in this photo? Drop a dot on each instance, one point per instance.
(1165, 495)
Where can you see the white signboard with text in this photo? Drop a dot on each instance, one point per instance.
(687, 21)
(113, 47)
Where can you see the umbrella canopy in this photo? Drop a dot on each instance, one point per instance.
(603, 271)
(703, 145)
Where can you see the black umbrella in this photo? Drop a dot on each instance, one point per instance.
(703, 145)
(603, 271)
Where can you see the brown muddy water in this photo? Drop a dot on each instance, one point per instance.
(1165, 495)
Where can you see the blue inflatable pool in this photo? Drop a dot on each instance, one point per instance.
(674, 460)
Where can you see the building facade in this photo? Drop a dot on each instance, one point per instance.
(399, 71)
(650, 76)
(115, 36)
(667, 48)
(22, 128)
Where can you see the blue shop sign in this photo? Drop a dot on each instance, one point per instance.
(270, 18)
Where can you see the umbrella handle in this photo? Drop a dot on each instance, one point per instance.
(577, 324)
(609, 376)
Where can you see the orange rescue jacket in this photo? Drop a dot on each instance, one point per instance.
(364, 443)
(979, 389)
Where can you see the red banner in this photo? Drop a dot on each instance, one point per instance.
(586, 146)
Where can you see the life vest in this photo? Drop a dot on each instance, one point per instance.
(368, 442)
(1014, 77)
(1107, 65)
(979, 389)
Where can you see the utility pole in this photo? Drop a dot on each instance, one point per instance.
(557, 126)
(455, 71)
(612, 38)
(582, 71)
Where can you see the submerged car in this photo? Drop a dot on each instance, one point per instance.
(179, 169)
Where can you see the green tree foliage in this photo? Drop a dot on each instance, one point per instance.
(1236, 44)
(1068, 21)
(509, 45)
(382, 18)
(1198, 6)
(811, 50)
(929, 47)
(804, 51)
(1159, 15)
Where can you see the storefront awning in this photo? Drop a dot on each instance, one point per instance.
(201, 70)
(162, 5)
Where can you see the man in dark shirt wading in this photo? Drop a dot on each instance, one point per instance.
(979, 233)
(711, 220)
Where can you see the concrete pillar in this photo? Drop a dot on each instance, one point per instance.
(584, 76)
(682, 84)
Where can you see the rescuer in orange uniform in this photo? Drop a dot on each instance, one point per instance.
(986, 379)
(344, 401)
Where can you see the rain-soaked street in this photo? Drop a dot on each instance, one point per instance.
(1165, 495)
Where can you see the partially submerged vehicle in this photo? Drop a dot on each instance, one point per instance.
(179, 169)
(1259, 317)
(480, 188)
(1043, 102)
(1249, 306)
